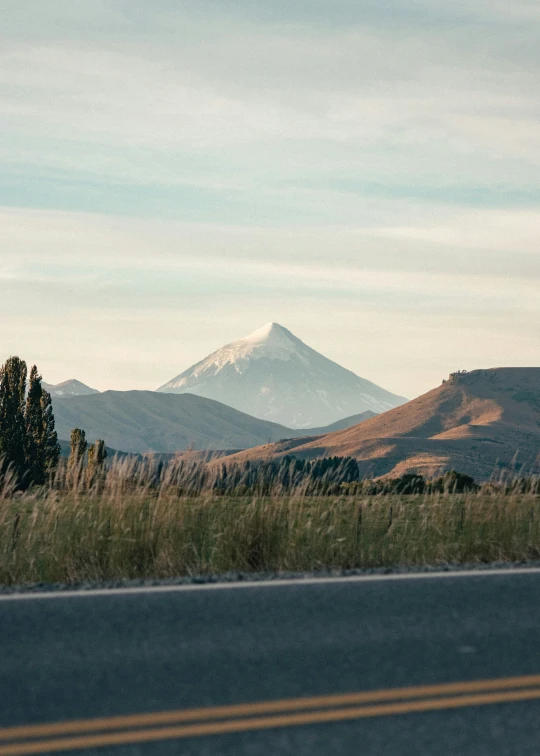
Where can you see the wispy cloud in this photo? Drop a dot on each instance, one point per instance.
(189, 171)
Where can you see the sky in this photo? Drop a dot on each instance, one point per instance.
(175, 174)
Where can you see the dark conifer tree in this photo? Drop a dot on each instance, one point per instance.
(50, 437)
(12, 422)
(35, 431)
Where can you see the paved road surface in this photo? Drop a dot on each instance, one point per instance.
(88, 657)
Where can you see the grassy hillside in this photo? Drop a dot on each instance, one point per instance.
(479, 423)
(346, 422)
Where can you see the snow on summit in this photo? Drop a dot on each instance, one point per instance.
(273, 375)
(271, 337)
(271, 341)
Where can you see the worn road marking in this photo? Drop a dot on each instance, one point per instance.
(293, 712)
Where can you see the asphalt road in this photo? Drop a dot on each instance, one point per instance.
(95, 657)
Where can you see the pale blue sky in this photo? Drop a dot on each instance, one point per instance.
(175, 174)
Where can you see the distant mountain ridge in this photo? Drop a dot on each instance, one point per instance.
(273, 375)
(66, 389)
(481, 423)
(146, 421)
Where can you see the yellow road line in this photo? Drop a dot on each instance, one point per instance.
(263, 723)
(262, 707)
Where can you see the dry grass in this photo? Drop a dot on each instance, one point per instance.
(126, 528)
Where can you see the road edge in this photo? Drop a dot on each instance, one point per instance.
(246, 581)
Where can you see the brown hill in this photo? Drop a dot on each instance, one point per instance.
(479, 423)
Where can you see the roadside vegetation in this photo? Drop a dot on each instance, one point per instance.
(125, 525)
(87, 518)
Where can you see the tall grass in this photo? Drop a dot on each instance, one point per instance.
(125, 526)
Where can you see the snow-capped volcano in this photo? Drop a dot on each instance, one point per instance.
(273, 375)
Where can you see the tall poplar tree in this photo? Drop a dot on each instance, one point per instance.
(28, 440)
(50, 437)
(12, 420)
(35, 431)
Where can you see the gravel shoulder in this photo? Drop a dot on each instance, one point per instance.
(257, 577)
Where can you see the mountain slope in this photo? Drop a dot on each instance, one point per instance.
(145, 421)
(273, 375)
(346, 422)
(69, 388)
(479, 423)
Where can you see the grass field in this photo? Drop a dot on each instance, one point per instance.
(119, 530)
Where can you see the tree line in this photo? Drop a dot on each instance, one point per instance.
(289, 475)
(329, 476)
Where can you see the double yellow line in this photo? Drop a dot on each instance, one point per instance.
(189, 723)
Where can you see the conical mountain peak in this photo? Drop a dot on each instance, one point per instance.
(272, 374)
